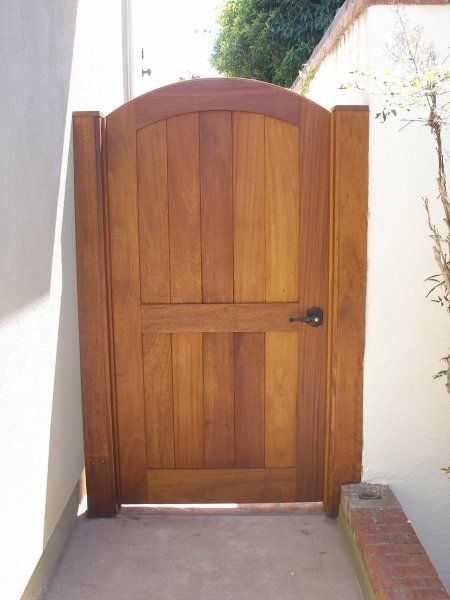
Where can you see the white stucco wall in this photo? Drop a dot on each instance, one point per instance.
(406, 413)
(56, 57)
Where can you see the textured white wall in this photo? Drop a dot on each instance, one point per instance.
(406, 413)
(56, 57)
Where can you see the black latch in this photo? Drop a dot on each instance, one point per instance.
(314, 317)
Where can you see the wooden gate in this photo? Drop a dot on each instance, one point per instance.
(221, 295)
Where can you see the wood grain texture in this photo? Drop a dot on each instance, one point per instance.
(106, 229)
(126, 301)
(313, 291)
(219, 317)
(221, 485)
(348, 290)
(157, 354)
(184, 208)
(249, 208)
(282, 206)
(281, 375)
(153, 213)
(88, 139)
(249, 400)
(218, 398)
(187, 368)
(219, 94)
(177, 223)
(216, 206)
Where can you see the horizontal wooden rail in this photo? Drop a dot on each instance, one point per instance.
(221, 485)
(175, 318)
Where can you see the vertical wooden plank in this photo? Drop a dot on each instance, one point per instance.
(350, 133)
(126, 302)
(282, 206)
(249, 208)
(218, 378)
(313, 291)
(216, 206)
(184, 208)
(153, 213)
(88, 134)
(281, 375)
(249, 399)
(217, 283)
(188, 400)
(157, 354)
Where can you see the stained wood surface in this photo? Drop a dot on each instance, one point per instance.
(227, 94)
(159, 222)
(126, 299)
(349, 258)
(281, 367)
(218, 381)
(237, 390)
(153, 213)
(282, 211)
(313, 291)
(188, 399)
(97, 392)
(218, 200)
(249, 208)
(184, 208)
(249, 399)
(348, 288)
(157, 354)
(171, 318)
(227, 485)
(216, 206)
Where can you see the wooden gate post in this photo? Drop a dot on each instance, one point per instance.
(348, 249)
(93, 309)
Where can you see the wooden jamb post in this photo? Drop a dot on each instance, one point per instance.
(348, 265)
(93, 312)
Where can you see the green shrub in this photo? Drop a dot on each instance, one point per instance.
(269, 40)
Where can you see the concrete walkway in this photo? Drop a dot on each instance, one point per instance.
(186, 557)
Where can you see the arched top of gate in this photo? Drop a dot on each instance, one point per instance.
(235, 94)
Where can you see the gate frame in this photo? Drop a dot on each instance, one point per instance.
(349, 181)
(347, 289)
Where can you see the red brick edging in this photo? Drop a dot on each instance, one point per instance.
(396, 563)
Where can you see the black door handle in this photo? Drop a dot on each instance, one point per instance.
(314, 317)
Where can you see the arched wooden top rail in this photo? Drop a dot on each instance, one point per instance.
(235, 94)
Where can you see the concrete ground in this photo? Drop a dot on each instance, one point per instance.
(181, 557)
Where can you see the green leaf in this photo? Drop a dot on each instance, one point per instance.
(267, 39)
(440, 374)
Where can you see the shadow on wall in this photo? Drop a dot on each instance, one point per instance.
(37, 51)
